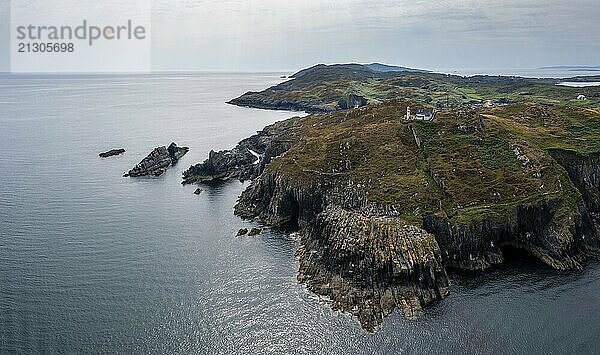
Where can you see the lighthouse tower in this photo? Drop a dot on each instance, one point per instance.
(408, 113)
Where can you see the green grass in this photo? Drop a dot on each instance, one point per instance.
(481, 176)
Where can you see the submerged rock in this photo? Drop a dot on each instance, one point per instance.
(111, 153)
(198, 191)
(157, 162)
(241, 232)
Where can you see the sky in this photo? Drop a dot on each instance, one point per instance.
(273, 35)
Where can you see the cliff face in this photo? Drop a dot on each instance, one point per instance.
(534, 228)
(370, 266)
(266, 101)
(584, 171)
(365, 265)
(380, 215)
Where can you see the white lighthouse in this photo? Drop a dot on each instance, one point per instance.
(408, 113)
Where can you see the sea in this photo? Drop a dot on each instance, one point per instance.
(91, 262)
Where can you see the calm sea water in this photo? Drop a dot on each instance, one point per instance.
(91, 262)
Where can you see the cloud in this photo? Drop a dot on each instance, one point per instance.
(277, 34)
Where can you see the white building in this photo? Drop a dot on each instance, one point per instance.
(425, 114)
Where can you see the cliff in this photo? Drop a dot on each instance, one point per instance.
(385, 205)
(370, 266)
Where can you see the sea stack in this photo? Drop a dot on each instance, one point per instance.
(157, 162)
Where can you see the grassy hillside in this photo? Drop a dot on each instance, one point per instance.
(471, 163)
(323, 86)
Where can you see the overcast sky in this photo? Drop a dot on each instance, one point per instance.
(267, 35)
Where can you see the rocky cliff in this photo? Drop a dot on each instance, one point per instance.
(369, 266)
(260, 100)
(381, 216)
(249, 158)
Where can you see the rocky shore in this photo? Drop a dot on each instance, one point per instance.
(380, 218)
(248, 159)
(258, 100)
(262, 101)
(158, 161)
(369, 266)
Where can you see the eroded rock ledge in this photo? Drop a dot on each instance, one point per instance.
(369, 266)
(248, 159)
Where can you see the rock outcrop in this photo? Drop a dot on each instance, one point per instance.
(158, 161)
(111, 153)
(352, 101)
(369, 266)
(249, 158)
(262, 101)
(254, 232)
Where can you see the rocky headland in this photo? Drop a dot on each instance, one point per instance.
(248, 159)
(385, 206)
(158, 161)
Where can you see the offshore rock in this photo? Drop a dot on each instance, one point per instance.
(369, 266)
(111, 153)
(254, 232)
(157, 162)
(176, 153)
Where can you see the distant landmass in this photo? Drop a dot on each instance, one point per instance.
(384, 68)
(325, 88)
(573, 68)
(358, 68)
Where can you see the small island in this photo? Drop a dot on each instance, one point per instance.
(386, 202)
(158, 161)
(111, 153)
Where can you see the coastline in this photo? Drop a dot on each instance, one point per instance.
(330, 211)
